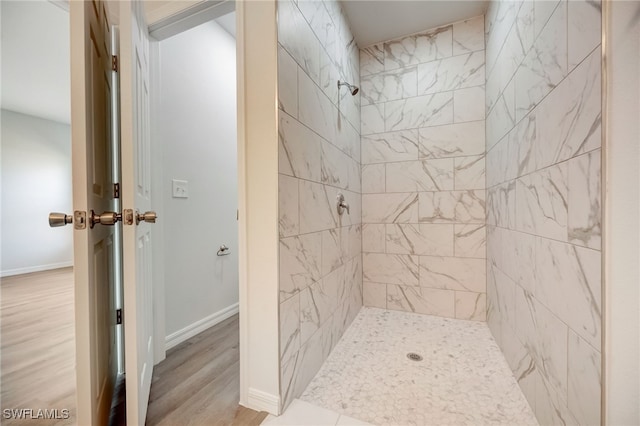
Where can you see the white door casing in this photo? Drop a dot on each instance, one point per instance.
(136, 195)
(96, 366)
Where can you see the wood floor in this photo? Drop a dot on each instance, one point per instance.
(198, 383)
(37, 348)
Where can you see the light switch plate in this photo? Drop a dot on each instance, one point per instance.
(180, 188)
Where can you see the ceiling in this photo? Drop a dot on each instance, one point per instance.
(35, 59)
(374, 21)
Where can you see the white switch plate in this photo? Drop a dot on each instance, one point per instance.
(180, 188)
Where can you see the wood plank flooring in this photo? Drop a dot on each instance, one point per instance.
(37, 349)
(198, 382)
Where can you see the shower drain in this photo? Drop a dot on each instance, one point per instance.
(414, 356)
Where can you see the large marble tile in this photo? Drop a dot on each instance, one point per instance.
(468, 36)
(501, 119)
(501, 205)
(456, 72)
(300, 263)
(523, 142)
(389, 85)
(372, 119)
(420, 300)
(497, 25)
(470, 206)
(390, 208)
(542, 202)
(419, 48)
(584, 30)
(569, 119)
(470, 240)
(391, 146)
(295, 35)
(347, 138)
(299, 149)
(372, 60)
(375, 295)
(318, 302)
(551, 405)
(289, 327)
(287, 82)
(471, 306)
(288, 215)
(373, 178)
(335, 166)
(437, 207)
(317, 206)
(546, 63)
(329, 75)
(422, 239)
(391, 268)
(424, 175)
(315, 110)
(585, 381)
(421, 111)
(568, 281)
(468, 104)
(585, 207)
(469, 172)
(373, 238)
(317, 15)
(453, 273)
(334, 249)
(453, 140)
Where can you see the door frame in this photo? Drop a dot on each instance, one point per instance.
(258, 239)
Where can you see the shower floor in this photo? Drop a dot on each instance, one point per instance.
(463, 378)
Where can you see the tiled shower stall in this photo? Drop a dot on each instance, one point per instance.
(470, 159)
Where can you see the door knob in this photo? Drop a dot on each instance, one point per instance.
(106, 218)
(59, 219)
(149, 217)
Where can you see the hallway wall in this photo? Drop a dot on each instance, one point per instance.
(543, 138)
(423, 172)
(319, 157)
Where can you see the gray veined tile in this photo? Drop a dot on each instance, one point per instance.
(420, 300)
(470, 206)
(551, 405)
(415, 49)
(300, 263)
(320, 22)
(468, 36)
(453, 273)
(289, 220)
(299, 149)
(317, 303)
(501, 205)
(437, 207)
(372, 60)
(329, 75)
(334, 166)
(389, 86)
(334, 252)
(295, 35)
(585, 380)
(420, 111)
(456, 72)
(497, 28)
(452, 140)
(289, 327)
(390, 208)
(375, 295)
(471, 306)
(468, 104)
(470, 241)
(421, 175)
(373, 178)
(584, 216)
(391, 146)
(500, 121)
(373, 238)
(317, 205)
(421, 239)
(372, 119)
(391, 268)
(542, 202)
(287, 82)
(469, 172)
(315, 110)
(584, 30)
(577, 300)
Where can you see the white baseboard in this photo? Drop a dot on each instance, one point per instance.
(199, 326)
(38, 268)
(262, 401)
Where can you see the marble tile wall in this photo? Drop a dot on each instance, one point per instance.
(423, 172)
(543, 140)
(319, 157)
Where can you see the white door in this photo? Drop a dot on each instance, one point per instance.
(136, 197)
(96, 365)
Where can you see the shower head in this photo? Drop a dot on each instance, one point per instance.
(353, 89)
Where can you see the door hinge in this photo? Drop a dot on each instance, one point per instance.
(119, 316)
(114, 63)
(116, 190)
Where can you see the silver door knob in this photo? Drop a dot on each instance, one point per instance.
(149, 217)
(106, 218)
(59, 219)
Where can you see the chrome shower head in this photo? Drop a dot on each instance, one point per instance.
(353, 89)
